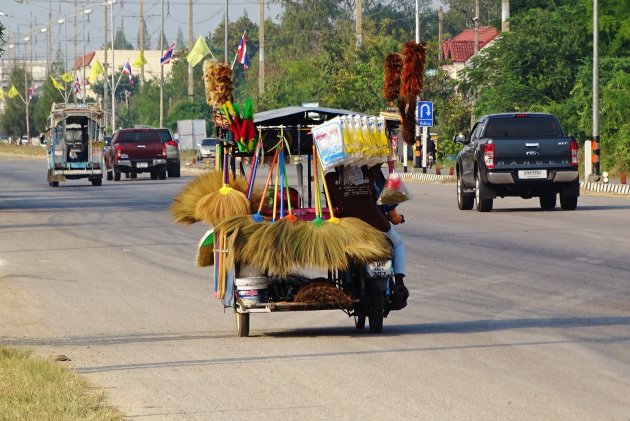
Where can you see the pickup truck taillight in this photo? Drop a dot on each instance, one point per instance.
(118, 151)
(164, 150)
(171, 143)
(574, 153)
(488, 155)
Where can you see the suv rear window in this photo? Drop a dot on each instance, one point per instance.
(165, 135)
(532, 126)
(210, 142)
(139, 137)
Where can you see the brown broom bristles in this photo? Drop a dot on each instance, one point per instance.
(217, 77)
(216, 206)
(393, 72)
(412, 69)
(205, 256)
(369, 244)
(322, 292)
(274, 250)
(184, 204)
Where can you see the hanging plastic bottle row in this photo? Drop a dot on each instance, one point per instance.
(353, 140)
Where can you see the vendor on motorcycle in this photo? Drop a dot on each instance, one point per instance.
(356, 199)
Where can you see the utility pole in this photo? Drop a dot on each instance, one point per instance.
(105, 90)
(142, 40)
(596, 133)
(359, 22)
(505, 15)
(225, 45)
(48, 69)
(76, 30)
(476, 19)
(261, 51)
(440, 27)
(162, 68)
(190, 47)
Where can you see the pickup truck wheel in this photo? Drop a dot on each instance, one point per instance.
(133, 175)
(154, 175)
(548, 201)
(483, 205)
(174, 170)
(162, 175)
(568, 202)
(116, 175)
(464, 202)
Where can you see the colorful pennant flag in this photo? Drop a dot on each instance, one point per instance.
(76, 89)
(126, 70)
(139, 61)
(198, 52)
(56, 84)
(13, 92)
(30, 91)
(241, 53)
(97, 70)
(67, 77)
(166, 58)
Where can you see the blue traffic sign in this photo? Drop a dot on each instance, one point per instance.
(425, 113)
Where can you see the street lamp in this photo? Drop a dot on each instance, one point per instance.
(86, 12)
(110, 3)
(61, 21)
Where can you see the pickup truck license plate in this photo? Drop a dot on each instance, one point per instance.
(142, 165)
(532, 174)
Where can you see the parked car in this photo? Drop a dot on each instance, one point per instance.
(207, 148)
(136, 151)
(517, 154)
(172, 152)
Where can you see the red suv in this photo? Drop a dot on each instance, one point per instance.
(136, 151)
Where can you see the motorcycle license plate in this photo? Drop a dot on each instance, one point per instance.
(379, 269)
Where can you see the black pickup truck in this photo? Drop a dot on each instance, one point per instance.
(517, 154)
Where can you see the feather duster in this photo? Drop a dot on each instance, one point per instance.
(393, 70)
(413, 69)
(217, 77)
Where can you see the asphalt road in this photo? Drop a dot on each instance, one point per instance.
(517, 314)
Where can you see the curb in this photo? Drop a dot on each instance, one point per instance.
(619, 189)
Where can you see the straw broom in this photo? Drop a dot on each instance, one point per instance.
(279, 259)
(216, 206)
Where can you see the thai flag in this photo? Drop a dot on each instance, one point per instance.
(166, 58)
(31, 90)
(127, 71)
(241, 53)
(77, 86)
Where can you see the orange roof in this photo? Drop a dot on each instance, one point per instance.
(78, 63)
(462, 47)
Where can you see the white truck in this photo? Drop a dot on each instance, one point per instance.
(75, 143)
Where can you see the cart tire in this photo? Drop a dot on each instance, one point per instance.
(377, 312)
(242, 324)
(54, 184)
(116, 175)
(97, 181)
(359, 322)
(110, 176)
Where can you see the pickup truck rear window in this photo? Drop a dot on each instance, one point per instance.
(523, 127)
(139, 137)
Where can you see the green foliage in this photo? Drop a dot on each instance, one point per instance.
(187, 110)
(13, 119)
(120, 41)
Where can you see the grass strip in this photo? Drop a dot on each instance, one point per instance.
(36, 388)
